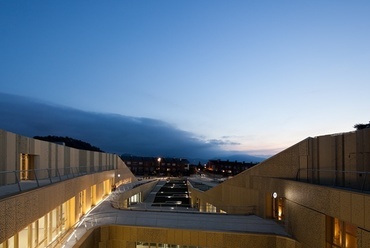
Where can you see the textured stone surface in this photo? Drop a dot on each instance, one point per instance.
(367, 213)
(3, 223)
(358, 209)
(179, 237)
(365, 238)
(345, 206)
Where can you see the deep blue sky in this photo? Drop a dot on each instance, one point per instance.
(255, 76)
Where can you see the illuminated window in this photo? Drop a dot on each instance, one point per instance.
(27, 166)
(23, 238)
(278, 207)
(135, 198)
(210, 208)
(156, 245)
(42, 224)
(11, 242)
(340, 234)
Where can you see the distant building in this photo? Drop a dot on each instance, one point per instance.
(152, 166)
(227, 168)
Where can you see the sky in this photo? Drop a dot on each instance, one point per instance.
(250, 76)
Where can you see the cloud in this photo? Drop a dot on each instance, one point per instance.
(110, 132)
(222, 142)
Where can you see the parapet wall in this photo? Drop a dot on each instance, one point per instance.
(16, 212)
(126, 237)
(53, 157)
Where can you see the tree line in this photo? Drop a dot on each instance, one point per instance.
(70, 142)
(361, 126)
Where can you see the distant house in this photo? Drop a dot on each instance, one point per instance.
(152, 166)
(227, 168)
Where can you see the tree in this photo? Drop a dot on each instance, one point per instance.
(75, 143)
(361, 126)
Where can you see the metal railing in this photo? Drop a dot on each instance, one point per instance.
(181, 208)
(356, 180)
(13, 182)
(202, 186)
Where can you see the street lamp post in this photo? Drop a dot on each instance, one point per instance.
(159, 164)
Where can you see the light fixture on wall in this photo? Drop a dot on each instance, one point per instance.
(274, 195)
(119, 175)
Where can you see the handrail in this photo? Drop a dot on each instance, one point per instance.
(357, 180)
(16, 181)
(331, 170)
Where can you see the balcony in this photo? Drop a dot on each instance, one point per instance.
(14, 182)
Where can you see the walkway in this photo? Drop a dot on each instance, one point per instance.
(142, 214)
(151, 196)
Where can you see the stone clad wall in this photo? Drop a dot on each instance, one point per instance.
(16, 212)
(345, 152)
(125, 237)
(50, 156)
(20, 210)
(306, 205)
(8, 158)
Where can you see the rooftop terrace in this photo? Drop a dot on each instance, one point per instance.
(148, 215)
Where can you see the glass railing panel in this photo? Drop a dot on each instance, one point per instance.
(357, 180)
(13, 182)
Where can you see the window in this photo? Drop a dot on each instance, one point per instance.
(278, 208)
(135, 198)
(210, 208)
(23, 238)
(42, 224)
(27, 166)
(156, 245)
(11, 241)
(340, 234)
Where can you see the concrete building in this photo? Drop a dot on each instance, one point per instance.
(226, 167)
(152, 166)
(313, 194)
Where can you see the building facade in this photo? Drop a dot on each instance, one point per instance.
(151, 166)
(318, 189)
(226, 167)
(45, 188)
